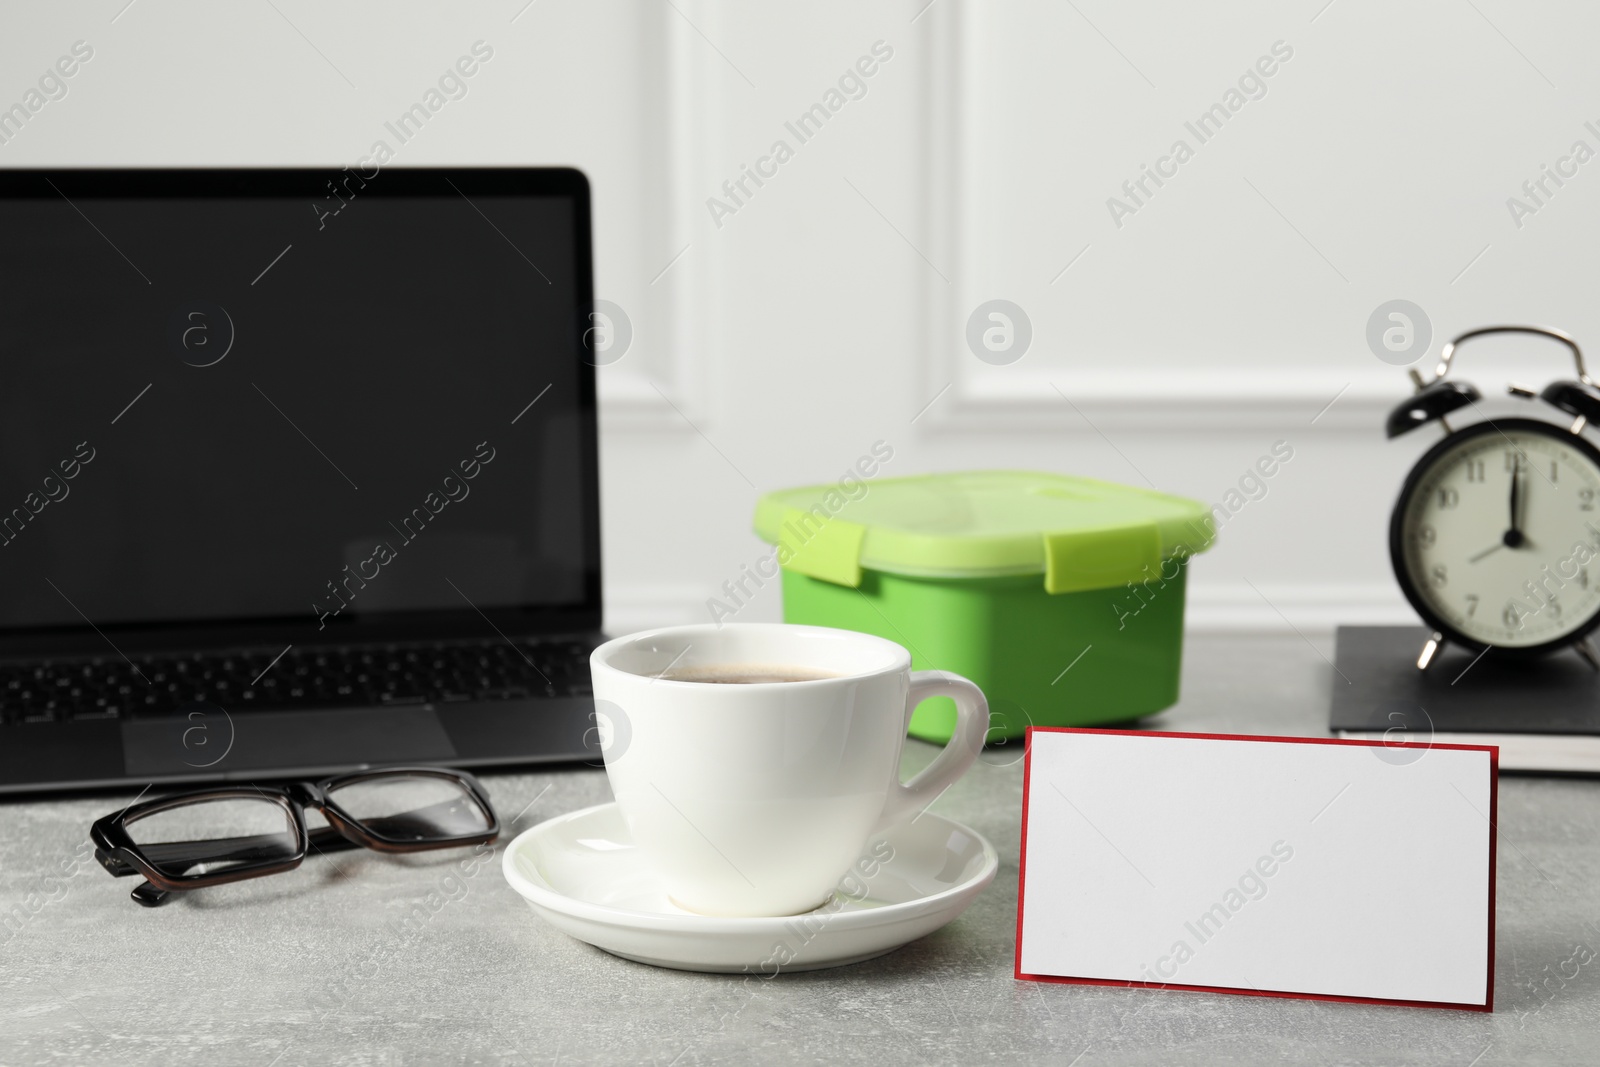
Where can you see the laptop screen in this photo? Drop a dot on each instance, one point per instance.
(238, 395)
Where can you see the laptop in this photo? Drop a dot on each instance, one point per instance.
(298, 473)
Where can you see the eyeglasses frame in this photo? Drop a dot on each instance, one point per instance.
(121, 856)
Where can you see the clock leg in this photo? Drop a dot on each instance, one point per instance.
(1586, 650)
(1434, 643)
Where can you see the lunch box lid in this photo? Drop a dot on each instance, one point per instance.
(1079, 533)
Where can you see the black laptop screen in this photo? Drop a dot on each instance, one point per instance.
(225, 407)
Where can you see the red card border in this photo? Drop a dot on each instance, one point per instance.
(1022, 867)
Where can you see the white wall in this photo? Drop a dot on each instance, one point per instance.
(829, 310)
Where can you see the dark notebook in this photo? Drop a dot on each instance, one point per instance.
(1543, 713)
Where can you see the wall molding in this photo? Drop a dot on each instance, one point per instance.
(1213, 399)
(661, 386)
(1020, 398)
(684, 105)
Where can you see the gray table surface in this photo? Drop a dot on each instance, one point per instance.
(282, 971)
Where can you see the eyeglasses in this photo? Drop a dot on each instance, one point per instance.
(213, 836)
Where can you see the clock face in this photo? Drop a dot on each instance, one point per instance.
(1496, 537)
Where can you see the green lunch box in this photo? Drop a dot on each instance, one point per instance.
(1061, 597)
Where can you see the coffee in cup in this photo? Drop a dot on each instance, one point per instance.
(746, 673)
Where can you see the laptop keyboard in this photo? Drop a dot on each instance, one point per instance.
(438, 672)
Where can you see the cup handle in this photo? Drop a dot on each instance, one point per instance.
(907, 800)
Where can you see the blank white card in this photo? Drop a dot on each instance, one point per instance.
(1279, 866)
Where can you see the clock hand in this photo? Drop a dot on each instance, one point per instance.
(1492, 548)
(1513, 536)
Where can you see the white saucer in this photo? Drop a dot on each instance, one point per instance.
(582, 873)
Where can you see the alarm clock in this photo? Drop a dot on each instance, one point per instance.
(1495, 538)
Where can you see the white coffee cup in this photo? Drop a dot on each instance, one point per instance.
(755, 798)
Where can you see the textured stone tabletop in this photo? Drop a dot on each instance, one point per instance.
(313, 966)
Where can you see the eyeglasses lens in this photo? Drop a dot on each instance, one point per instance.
(411, 807)
(211, 836)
